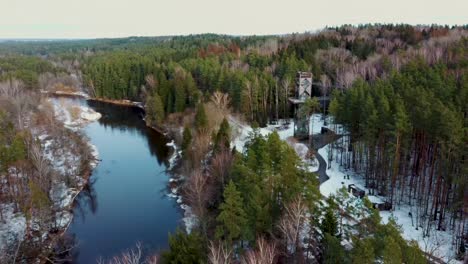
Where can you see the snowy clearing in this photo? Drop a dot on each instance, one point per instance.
(285, 130)
(439, 244)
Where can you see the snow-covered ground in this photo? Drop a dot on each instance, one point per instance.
(73, 115)
(12, 229)
(176, 154)
(438, 244)
(63, 161)
(189, 219)
(242, 132)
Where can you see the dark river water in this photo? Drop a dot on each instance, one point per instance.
(125, 202)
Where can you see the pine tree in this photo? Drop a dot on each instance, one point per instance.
(392, 252)
(154, 110)
(39, 199)
(363, 251)
(185, 248)
(275, 150)
(186, 139)
(232, 218)
(333, 250)
(223, 137)
(329, 223)
(201, 121)
(413, 254)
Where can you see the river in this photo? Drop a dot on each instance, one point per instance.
(125, 202)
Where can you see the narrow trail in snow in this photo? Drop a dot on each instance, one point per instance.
(322, 171)
(320, 141)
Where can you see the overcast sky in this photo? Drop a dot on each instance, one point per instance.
(119, 18)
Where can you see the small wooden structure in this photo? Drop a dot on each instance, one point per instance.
(356, 191)
(382, 206)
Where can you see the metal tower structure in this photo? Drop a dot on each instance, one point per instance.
(303, 90)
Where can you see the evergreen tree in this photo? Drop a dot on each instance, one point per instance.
(363, 251)
(333, 250)
(201, 121)
(185, 249)
(329, 223)
(413, 254)
(392, 252)
(154, 110)
(39, 199)
(223, 137)
(186, 139)
(232, 218)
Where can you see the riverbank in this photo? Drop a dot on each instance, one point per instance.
(67, 158)
(73, 117)
(127, 191)
(170, 133)
(176, 180)
(119, 102)
(122, 102)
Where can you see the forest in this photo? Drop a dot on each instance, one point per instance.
(38, 157)
(399, 91)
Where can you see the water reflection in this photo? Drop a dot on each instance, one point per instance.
(125, 201)
(130, 120)
(87, 200)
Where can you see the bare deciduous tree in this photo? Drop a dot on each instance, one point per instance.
(21, 102)
(265, 253)
(219, 253)
(221, 164)
(285, 83)
(201, 145)
(221, 100)
(132, 256)
(198, 193)
(249, 93)
(150, 81)
(292, 222)
(41, 164)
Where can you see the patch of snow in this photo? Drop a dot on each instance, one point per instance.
(301, 149)
(285, 131)
(172, 195)
(73, 115)
(312, 165)
(89, 114)
(190, 219)
(242, 133)
(95, 154)
(63, 219)
(61, 195)
(171, 144)
(336, 177)
(438, 244)
(12, 228)
(176, 154)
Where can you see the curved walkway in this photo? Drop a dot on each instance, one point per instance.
(320, 141)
